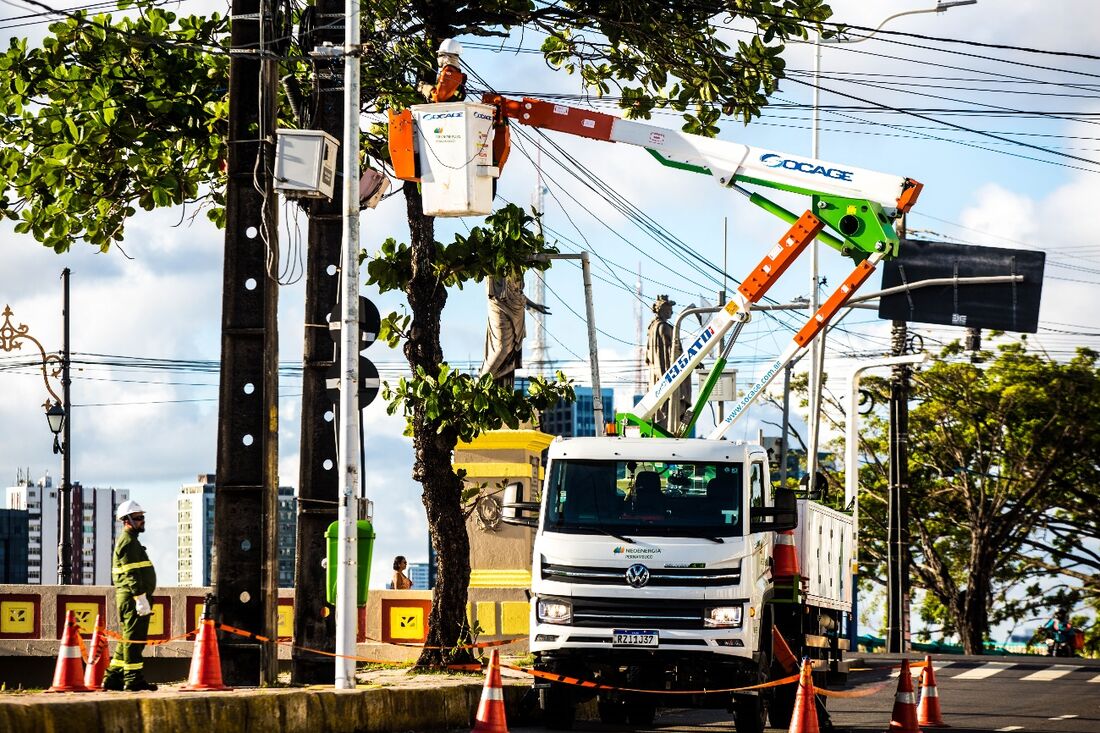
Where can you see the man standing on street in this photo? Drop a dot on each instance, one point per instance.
(135, 579)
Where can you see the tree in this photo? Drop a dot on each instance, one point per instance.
(650, 54)
(109, 116)
(1003, 475)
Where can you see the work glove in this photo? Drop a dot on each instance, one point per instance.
(141, 605)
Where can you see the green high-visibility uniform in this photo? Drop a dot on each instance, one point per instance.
(133, 575)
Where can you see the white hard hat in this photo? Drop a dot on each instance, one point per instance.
(127, 508)
(450, 47)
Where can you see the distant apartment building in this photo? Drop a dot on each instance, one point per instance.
(573, 419)
(195, 532)
(14, 536)
(93, 532)
(418, 574)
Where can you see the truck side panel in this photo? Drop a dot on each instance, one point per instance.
(825, 544)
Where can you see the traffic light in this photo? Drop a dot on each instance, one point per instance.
(369, 323)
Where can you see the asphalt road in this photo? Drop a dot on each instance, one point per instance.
(976, 694)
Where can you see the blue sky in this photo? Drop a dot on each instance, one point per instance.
(152, 430)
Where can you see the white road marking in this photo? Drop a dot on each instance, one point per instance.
(1011, 727)
(1053, 673)
(936, 667)
(1095, 679)
(986, 670)
(1063, 717)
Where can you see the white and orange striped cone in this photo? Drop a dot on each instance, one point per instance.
(903, 719)
(98, 659)
(928, 712)
(68, 676)
(206, 664)
(490, 713)
(785, 556)
(804, 717)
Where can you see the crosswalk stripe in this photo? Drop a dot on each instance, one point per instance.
(980, 673)
(1053, 673)
(1064, 717)
(936, 667)
(1011, 727)
(1095, 679)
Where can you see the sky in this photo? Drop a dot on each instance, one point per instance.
(150, 426)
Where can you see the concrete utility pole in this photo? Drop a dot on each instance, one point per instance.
(349, 463)
(590, 313)
(245, 566)
(67, 575)
(318, 486)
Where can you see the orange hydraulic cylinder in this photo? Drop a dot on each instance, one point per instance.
(776, 262)
(833, 304)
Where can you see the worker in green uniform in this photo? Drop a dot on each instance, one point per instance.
(135, 579)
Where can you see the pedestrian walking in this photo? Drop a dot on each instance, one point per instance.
(400, 580)
(135, 580)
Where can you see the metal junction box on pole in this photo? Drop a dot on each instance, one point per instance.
(455, 149)
(305, 163)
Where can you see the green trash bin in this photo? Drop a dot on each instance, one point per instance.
(365, 546)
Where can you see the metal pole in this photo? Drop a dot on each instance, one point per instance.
(590, 311)
(786, 425)
(898, 530)
(817, 346)
(65, 555)
(346, 616)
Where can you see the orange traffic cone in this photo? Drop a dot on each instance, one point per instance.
(785, 556)
(928, 713)
(782, 652)
(804, 717)
(904, 717)
(69, 673)
(206, 665)
(490, 713)
(97, 662)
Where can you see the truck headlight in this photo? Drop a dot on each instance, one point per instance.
(555, 612)
(722, 617)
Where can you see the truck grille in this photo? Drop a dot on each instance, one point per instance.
(682, 577)
(632, 615)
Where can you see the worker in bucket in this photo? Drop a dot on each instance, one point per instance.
(134, 579)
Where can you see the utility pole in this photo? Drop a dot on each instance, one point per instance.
(897, 565)
(65, 559)
(348, 455)
(245, 506)
(318, 487)
(538, 342)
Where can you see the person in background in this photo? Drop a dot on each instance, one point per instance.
(400, 580)
(135, 580)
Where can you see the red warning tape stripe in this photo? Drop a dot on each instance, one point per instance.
(600, 686)
(114, 636)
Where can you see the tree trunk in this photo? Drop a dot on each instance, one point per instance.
(442, 488)
(974, 618)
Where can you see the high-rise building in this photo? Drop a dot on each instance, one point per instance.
(418, 574)
(195, 532)
(93, 534)
(14, 536)
(575, 419)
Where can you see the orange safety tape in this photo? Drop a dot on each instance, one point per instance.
(285, 642)
(114, 636)
(476, 645)
(83, 649)
(599, 686)
(873, 689)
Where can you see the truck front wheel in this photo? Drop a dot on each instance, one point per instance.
(559, 707)
(751, 713)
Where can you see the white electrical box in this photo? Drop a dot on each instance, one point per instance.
(725, 389)
(305, 164)
(455, 141)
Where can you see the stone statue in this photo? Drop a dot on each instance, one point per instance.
(660, 351)
(506, 329)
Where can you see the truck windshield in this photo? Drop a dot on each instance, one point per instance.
(645, 497)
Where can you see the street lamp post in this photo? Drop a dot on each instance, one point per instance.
(817, 349)
(58, 412)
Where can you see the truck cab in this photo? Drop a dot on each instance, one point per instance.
(652, 571)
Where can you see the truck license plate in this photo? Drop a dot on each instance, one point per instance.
(634, 637)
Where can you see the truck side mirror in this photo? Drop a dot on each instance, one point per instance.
(516, 510)
(779, 518)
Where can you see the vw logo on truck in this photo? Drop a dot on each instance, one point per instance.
(637, 575)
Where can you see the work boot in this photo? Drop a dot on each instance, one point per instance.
(138, 684)
(112, 682)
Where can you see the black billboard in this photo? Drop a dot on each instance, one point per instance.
(1009, 306)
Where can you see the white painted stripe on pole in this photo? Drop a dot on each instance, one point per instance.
(1045, 675)
(984, 671)
(493, 694)
(69, 652)
(1010, 727)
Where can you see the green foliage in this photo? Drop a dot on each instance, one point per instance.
(109, 116)
(467, 405)
(1003, 456)
(506, 248)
